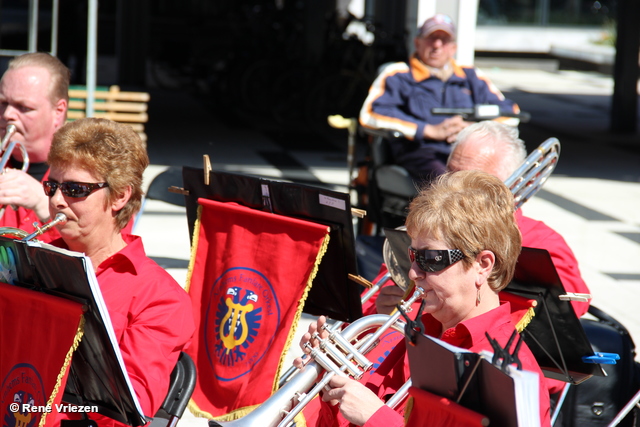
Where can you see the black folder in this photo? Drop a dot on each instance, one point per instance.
(472, 381)
(97, 375)
(333, 293)
(444, 371)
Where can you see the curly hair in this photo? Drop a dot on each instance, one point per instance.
(113, 151)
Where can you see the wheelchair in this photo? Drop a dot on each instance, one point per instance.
(389, 187)
(385, 189)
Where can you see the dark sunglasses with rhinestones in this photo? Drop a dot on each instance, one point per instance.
(72, 188)
(431, 260)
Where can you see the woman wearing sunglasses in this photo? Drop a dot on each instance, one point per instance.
(95, 179)
(464, 248)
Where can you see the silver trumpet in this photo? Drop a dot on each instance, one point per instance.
(7, 148)
(334, 356)
(60, 218)
(18, 234)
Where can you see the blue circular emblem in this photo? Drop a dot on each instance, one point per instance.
(22, 386)
(241, 320)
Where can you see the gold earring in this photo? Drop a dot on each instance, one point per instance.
(478, 298)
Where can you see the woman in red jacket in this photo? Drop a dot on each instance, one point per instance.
(464, 247)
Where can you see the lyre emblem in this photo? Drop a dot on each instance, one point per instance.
(237, 324)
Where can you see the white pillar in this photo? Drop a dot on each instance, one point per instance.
(92, 55)
(426, 9)
(418, 11)
(465, 15)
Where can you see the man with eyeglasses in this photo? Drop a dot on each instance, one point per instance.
(33, 98)
(404, 94)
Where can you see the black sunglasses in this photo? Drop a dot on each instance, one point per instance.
(72, 188)
(431, 260)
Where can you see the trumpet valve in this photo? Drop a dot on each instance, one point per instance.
(299, 396)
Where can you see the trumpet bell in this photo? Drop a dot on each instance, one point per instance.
(13, 233)
(396, 257)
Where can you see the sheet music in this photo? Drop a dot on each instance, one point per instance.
(526, 390)
(508, 399)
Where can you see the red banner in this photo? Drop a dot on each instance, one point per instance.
(249, 276)
(38, 333)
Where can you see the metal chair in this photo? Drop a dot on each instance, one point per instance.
(158, 190)
(183, 381)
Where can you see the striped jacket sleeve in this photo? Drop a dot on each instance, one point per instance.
(389, 95)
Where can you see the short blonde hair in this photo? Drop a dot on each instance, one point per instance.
(112, 151)
(471, 211)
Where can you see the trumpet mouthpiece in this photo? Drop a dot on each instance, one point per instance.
(60, 218)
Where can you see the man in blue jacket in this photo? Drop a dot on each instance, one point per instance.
(402, 96)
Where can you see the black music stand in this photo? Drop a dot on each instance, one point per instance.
(332, 293)
(97, 375)
(555, 335)
(476, 382)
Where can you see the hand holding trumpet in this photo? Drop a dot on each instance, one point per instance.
(357, 402)
(17, 188)
(388, 299)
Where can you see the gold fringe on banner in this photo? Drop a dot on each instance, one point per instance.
(408, 408)
(299, 419)
(65, 366)
(526, 319)
(296, 319)
(194, 248)
(241, 412)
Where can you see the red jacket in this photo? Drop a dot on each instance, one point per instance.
(536, 234)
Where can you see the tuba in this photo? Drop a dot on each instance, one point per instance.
(18, 234)
(337, 356)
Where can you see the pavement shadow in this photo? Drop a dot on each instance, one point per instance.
(581, 124)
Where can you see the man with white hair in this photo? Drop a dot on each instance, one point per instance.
(496, 149)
